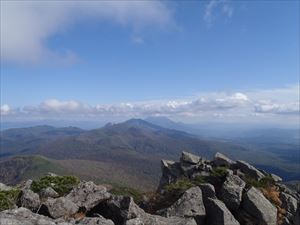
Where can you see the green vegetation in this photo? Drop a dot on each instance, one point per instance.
(127, 191)
(217, 176)
(8, 198)
(220, 171)
(265, 182)
(38, 166)
(200, 180)
(179, 186)
(61, 184)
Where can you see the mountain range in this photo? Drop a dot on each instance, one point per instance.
(126, 153)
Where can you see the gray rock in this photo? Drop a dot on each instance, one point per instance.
(23, 216)
(48, 192)
(4, 187)
(136, 221)
(60, 207)
(171, 171)
(29, 200)
(255, 203)
(286, 189)
(158, 220)
(121, 209)
(147, 219)
(239, 173)
(218, 214)
(276, 178)
(222, 160)
(249, 170)
(50, 174)
(289, 203)
(190, 204)
(208, 191)
(26, 185)
(286, 221)
(231, 192)
(188, 169)
(95, 221)
(189, 158)
(88, 195)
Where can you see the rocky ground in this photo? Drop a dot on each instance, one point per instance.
(193, 191)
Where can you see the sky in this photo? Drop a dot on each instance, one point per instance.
(193, 61)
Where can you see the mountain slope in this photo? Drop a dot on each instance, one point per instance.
(135, 146)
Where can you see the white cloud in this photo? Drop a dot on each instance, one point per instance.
(56, 107)
(217, 7)
(273, 105)
(275, 108)
(192, 107)
(26, 26)
(5, 110)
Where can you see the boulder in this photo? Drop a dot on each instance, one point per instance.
(289, 203)
(119, 209)
(285, 189)
(218, 214)
(4, 187)
(50, 174)
(249, 170)
(222, 160)
(48, 192)
(60, 207)
(208, 191)
(122, 210)
(23, 216)
(29, 200)
(189, 158)
(136, 221)
(25, 185)
(231, 192)
(276, 178)
(255, 203)
(99, 220)
(171, 171)
(189, 169)
(147, 219)
(87, 195)
(190, 204)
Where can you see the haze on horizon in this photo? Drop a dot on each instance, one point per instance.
(215, 61)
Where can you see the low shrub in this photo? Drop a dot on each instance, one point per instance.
(61, 184)
(8, 198)
(126, 191)
(218, 176)
(179, 186)
(220, 172)
(200, 180)
(265, 182)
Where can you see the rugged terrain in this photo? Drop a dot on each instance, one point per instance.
(193, 191)
(126, 154)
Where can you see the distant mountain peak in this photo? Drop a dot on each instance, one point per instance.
(141, 123)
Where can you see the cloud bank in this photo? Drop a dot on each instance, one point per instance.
(26, 26)
(215, 105)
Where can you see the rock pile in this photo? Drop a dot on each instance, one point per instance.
(193, 191)
(241, 194)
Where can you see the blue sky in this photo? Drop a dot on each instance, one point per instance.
(194, 60)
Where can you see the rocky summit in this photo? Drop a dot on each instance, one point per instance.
(192, 191)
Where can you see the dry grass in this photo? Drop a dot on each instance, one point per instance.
(79, 215)
(272, 194)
